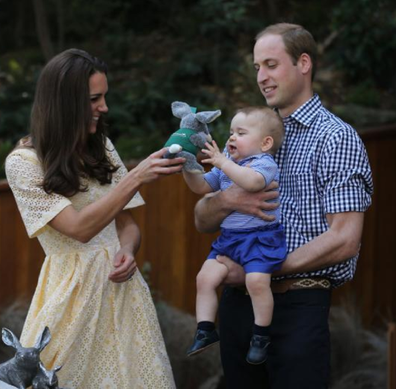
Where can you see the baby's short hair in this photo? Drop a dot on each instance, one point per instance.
(272, 123)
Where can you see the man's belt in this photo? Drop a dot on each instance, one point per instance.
(282, 286)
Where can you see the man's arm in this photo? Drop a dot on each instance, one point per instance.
(212, 209)
(339, 243)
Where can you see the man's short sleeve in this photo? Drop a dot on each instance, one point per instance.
(346, 174)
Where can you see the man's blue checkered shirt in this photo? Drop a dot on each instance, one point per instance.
(324, 169)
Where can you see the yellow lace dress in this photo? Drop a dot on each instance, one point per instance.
(106, 335)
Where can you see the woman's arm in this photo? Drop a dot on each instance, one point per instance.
(129, 236)
(83, 225)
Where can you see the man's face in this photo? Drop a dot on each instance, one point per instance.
(280, 81)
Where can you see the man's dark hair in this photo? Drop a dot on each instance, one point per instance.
(297, 41)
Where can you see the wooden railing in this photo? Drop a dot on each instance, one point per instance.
(170, 244)
(176, 251)
(20, 257)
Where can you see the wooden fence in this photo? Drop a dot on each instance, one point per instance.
(175, 250)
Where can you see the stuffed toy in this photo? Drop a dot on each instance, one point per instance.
(192, 135)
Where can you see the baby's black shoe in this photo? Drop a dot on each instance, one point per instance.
(202, 340)
(257, 353)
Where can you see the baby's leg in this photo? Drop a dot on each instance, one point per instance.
(258, 285)
(209, 278)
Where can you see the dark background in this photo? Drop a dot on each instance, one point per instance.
(198, 51)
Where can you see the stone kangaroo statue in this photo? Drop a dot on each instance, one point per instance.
(46, 379)
(24, 366)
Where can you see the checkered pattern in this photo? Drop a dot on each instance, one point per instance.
(324, 169)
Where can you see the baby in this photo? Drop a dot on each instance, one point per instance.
(258, 246)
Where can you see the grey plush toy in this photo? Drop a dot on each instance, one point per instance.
(21, 370)
(192, 135)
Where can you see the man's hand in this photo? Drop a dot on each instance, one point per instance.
(236, 275)
(212, 209)
(255, 203)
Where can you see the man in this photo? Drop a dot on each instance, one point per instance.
(325, 188)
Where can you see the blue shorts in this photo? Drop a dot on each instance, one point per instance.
(257, 250)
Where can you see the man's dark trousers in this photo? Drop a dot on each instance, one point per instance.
(299, 354)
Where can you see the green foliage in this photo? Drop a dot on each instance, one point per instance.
(5, 148)
(16, 96)
(163, 66)
(364, 94)
(221, 17)
(366, 40)
(198, 51)
(15, 101)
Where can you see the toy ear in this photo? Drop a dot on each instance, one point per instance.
(43, 339)
(180, 109)
(207, 116)
(42, 368)
(9, 338)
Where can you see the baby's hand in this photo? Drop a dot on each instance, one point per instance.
(216, 157)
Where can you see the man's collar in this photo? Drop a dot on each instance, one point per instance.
(306, 113)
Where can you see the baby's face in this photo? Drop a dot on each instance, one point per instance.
(246, 136)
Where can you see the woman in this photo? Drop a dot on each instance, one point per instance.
(74, 194)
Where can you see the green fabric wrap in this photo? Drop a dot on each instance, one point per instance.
(182, 137)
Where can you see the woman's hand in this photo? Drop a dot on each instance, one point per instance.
(154, 166)
(124, 265)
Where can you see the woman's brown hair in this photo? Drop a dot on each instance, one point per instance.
(60, 122)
